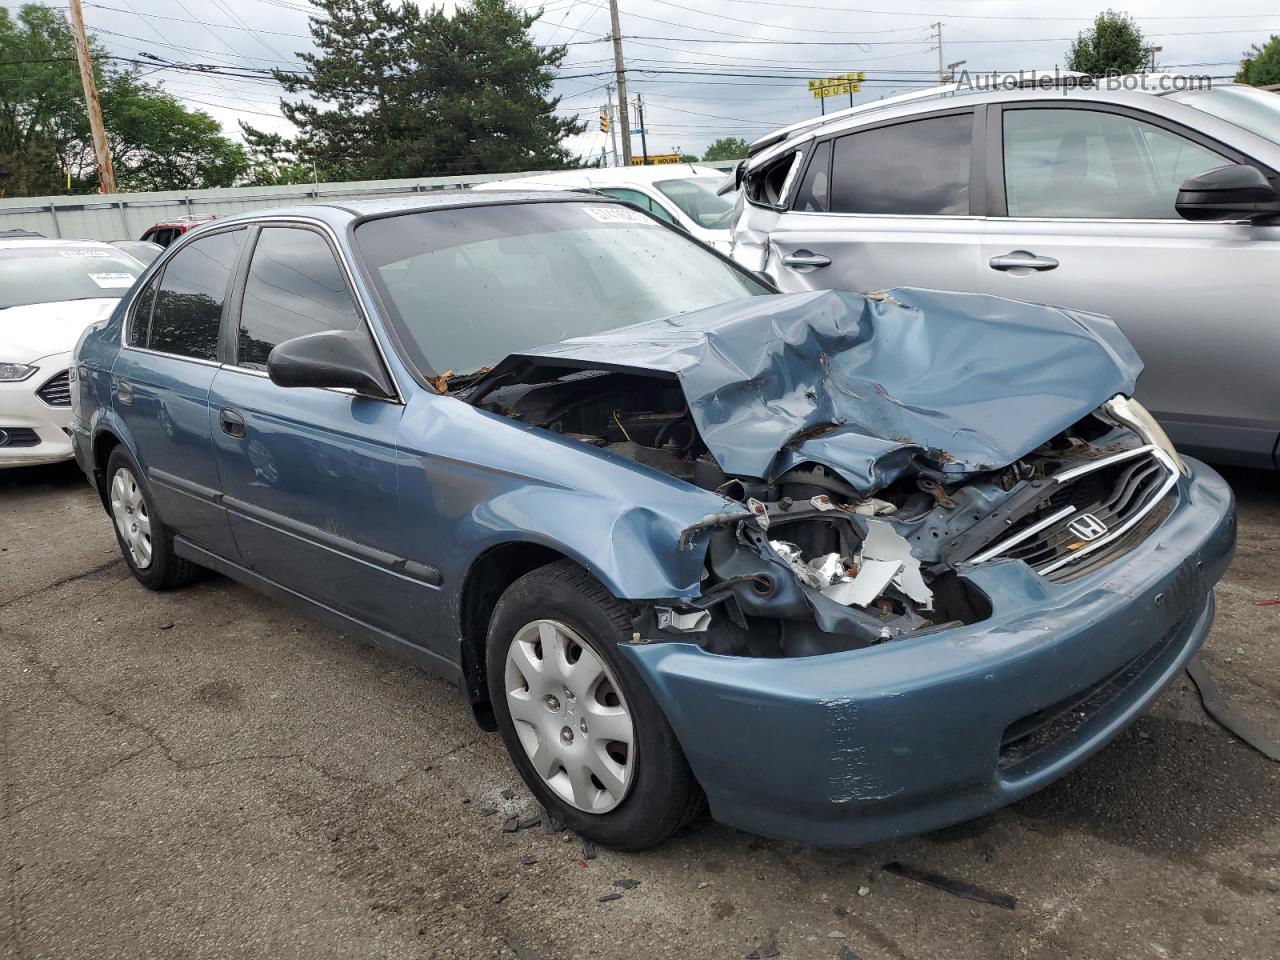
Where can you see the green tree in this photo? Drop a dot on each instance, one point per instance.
(688, 158)
(156, 144)
(726, 148)
(1111, 47)
(395, 91)
(1261, 64)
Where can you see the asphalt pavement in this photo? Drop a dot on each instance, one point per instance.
(205, 773)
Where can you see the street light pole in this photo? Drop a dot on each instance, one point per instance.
(623, 120)
(106, 173)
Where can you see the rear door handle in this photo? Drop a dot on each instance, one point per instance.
(231, 422)
(124, 391)
(1021, 260)
(803, 258)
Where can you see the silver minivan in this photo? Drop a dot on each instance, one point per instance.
(1159, 208)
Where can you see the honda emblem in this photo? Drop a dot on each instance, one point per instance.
(1087, 527)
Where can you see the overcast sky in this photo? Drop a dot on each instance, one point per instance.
(745, 63)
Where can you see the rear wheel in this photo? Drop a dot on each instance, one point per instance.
(583, 730)
(145, 542)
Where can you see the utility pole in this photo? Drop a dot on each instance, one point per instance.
(106, 174)
(613, 125)
(623, 120)
(942, 73)
(644, 143)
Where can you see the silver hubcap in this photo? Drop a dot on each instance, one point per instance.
(131, 516)
(570, 716)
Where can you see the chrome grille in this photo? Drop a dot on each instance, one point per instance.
(1091, 507)
(56, 391)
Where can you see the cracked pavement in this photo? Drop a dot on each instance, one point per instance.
(205, 773)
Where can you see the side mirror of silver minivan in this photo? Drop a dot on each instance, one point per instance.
(1236, 191)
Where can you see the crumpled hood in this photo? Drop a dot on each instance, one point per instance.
(36, 330)
(866, 384)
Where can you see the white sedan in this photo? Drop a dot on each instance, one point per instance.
(50, 290)
(679, 193)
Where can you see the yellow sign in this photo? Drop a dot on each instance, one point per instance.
(845, 83)
(656, 158)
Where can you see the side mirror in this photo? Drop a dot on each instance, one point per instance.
(1237, 191)
(331, 358)
(733, 181)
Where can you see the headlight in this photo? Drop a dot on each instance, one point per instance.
(12, 372)
(1133, 414)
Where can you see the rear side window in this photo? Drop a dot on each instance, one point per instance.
(294, 287)
(189, 300)
(919, 168)
(140, 325)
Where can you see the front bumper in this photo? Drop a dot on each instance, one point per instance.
(858, 747)
(22, 413)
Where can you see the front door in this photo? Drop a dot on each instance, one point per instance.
(309, 474)
(1087, 220)
(161, 381)
(881, 207)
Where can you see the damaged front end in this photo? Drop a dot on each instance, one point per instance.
(869, 452)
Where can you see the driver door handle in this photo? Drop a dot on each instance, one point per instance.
(803, 258)
(1021, 260)
(232, 423)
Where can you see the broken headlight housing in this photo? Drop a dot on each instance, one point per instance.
(1134, 415)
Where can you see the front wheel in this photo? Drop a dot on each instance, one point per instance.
(582, 728)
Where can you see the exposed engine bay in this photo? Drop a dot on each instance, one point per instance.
(805, 563)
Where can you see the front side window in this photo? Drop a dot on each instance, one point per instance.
(765, 185)
(641, 200)
(918, 169)
(466, 287)
(294, 287)
(37, 273)
(189, 300)
(814, 195)
(1072, 164)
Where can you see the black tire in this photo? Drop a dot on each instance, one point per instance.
(166, 570)
(663, 795)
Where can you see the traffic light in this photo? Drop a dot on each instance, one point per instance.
(604, 121)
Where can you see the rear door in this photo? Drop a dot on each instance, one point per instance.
(161, 381)
(309, 474)
(1082, 201)
(892, 204)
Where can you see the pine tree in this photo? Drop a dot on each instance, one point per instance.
(395, 91)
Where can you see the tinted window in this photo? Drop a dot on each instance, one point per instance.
(1084, 163)
(919, 168)
(140, 325)
(189, 301)
(643, 201)
(814, 195)
(294, 287)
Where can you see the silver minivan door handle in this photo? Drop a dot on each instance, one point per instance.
(803, 258)
(1021, 260)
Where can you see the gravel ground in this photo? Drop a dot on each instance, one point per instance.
(206, 774)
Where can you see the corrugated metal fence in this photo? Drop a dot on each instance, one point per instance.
(124, 216)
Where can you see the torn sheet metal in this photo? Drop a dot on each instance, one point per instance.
(885, 546)
(865, 386)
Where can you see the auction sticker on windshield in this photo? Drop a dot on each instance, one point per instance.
(77, 253)
(111, 280)
(617, 215)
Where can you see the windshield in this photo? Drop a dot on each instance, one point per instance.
(1257, 111)
(697, 198)
(50, 274)
(468, 286)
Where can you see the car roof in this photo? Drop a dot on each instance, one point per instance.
(27, 243)
(607, 176)
(339, 213)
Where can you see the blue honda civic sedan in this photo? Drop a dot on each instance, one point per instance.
(839, 566)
